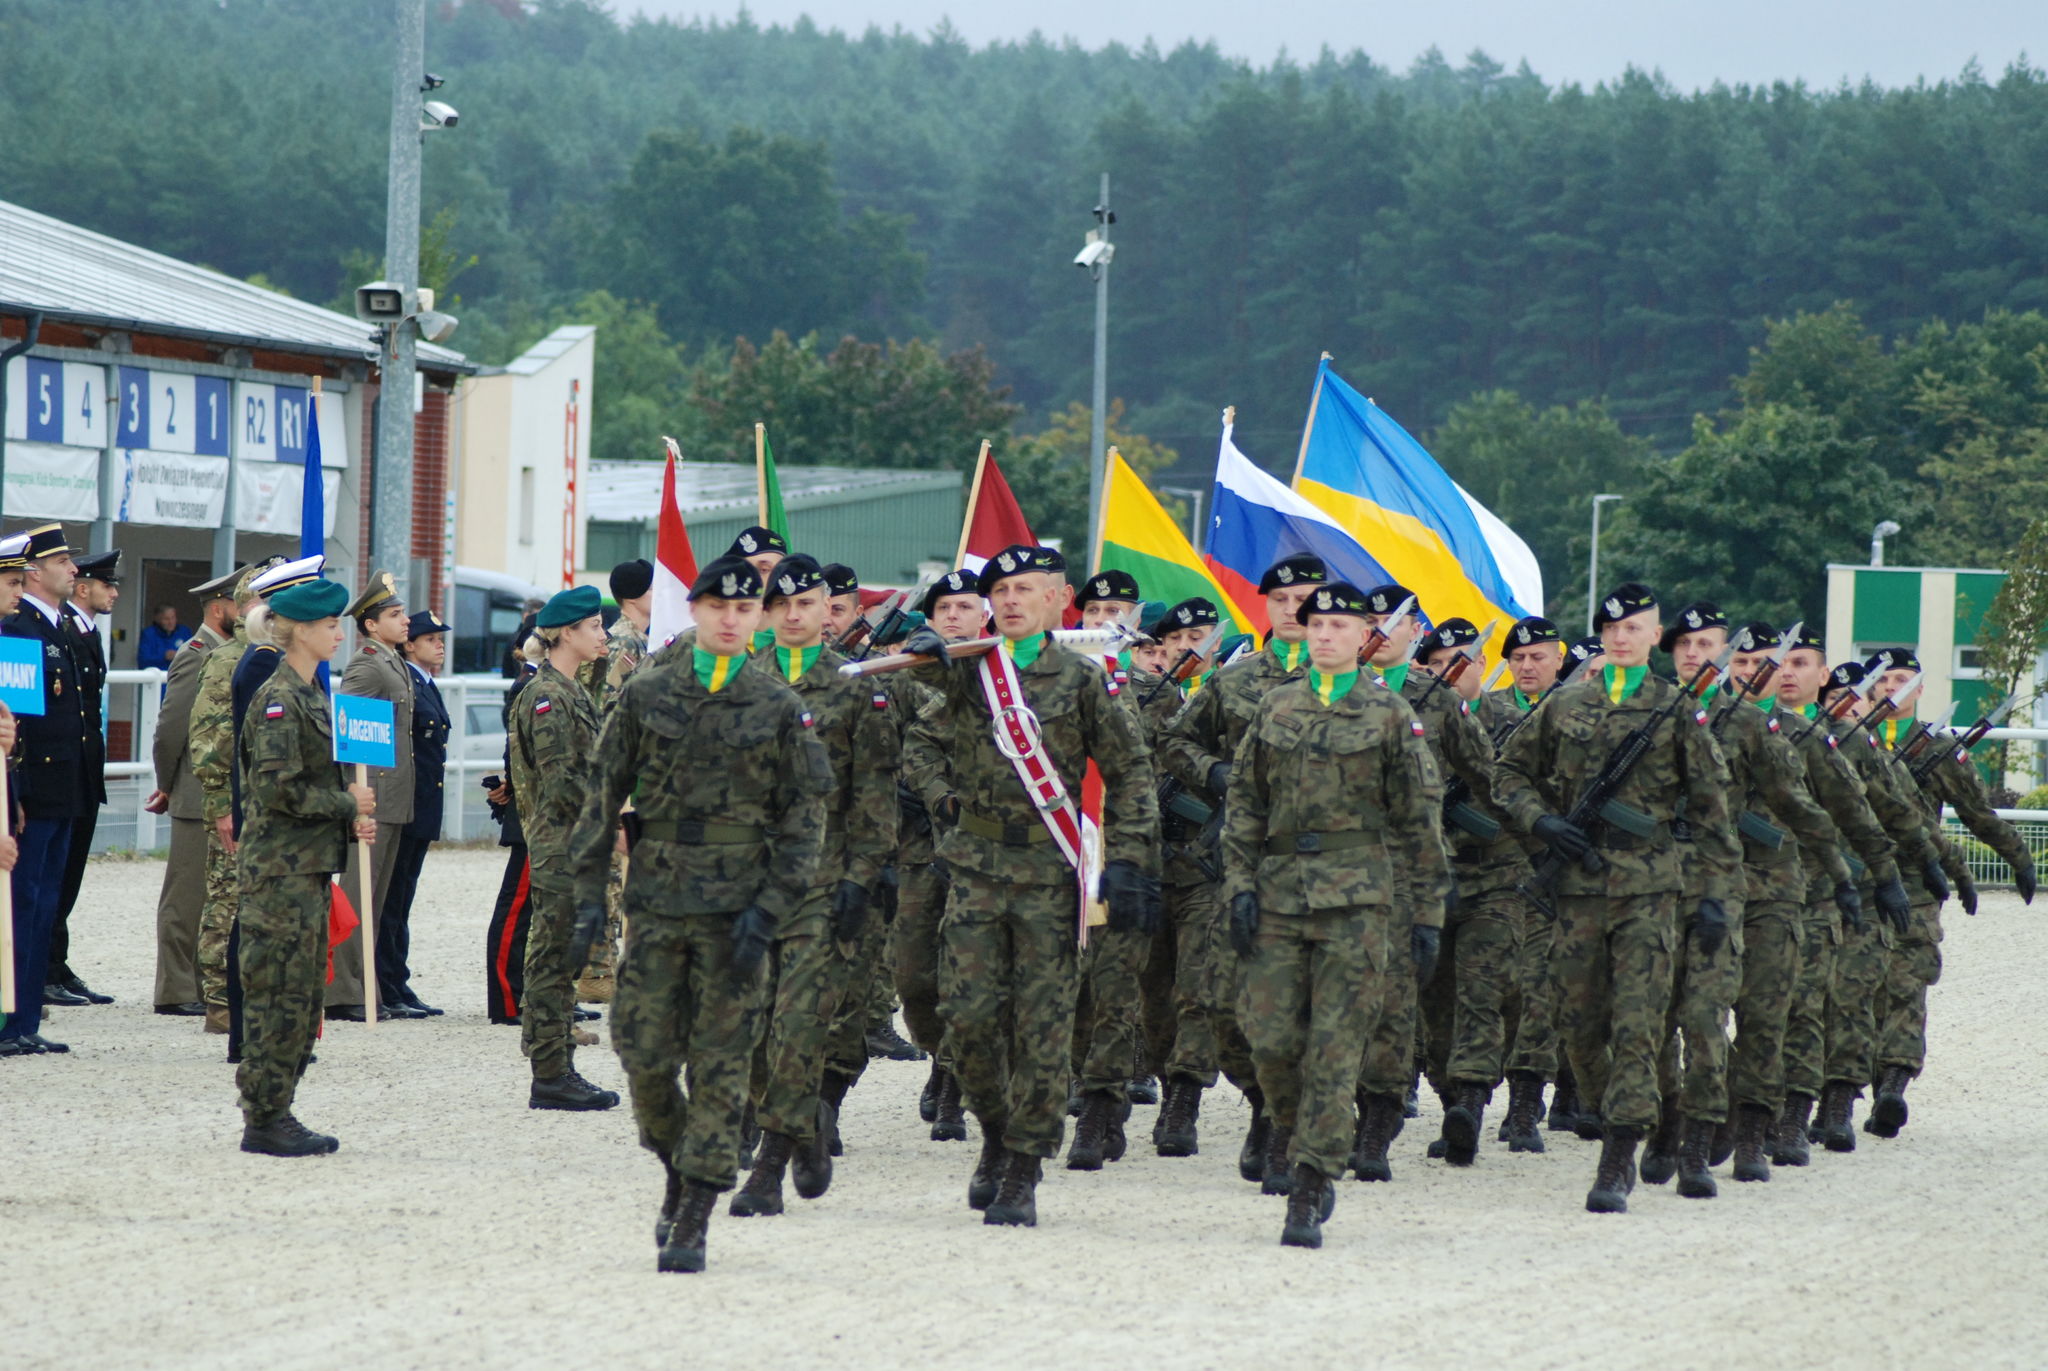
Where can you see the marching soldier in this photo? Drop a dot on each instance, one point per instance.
(1617, 897)
(298, 817)
(728, 785)
(632, 586)
(426, 650)
(1332, 855)
(95, 592)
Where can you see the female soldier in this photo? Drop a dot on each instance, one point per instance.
(297, 813)
(554, 741)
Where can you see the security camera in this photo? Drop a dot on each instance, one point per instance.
(435, 326)
(429, 81)
(1096, 254)
(380, 302)
(439, 115)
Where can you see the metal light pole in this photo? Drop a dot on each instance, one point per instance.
(1096, 257)
(391, 495)
(1593, 562)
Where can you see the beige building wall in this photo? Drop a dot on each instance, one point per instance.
(519, 430)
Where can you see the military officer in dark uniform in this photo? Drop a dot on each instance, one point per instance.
(93, 594)
(426, 649)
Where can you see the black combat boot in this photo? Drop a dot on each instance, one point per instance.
(928, 1098)
(1462, 1123)
(671, 1200)
(1525, 1102)
(1311, 1197)
(884, 1041)
(1175, 1133)
(832, 1097)
(1617, 1173)
(1752, 1129)
(762, 1193)
(1379, 1119)
(810, 1166)
(285, 1136)
(569, 1091)
(1016, 1201)
(1660, 1153)
(1695, 1171)
(684, 1249)
(1789, 1145)
(1723, 1142)
(950, 1122)
(1888, 1111)
(1837, 1116)
(1091, 1131)
(1251, 1158)
(1143, 1090)
(1564, 1101)
(988, 1167)
(1278, 1179)
(1114, 1141)
(750, 1136)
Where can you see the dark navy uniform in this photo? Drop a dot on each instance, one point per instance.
(91, 656)
(430, 729)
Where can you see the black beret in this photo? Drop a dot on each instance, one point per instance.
(1578, 654)
(1697, 617)
(1891, 659)
(756, 540)
(1194, 612)
(961, 582)
(1809, 636)
(1387, 598)
(1847, 676)
(1756, 636)
(424, 624)
(1304, 569)
(631, 580)
(842, 579)
(793, 575)
(1338, 597)
(1630, 597)
(1529, 632)
(1017, 561)
(101, 566)
(1451, 633)
(1108, 585)
(729, 578)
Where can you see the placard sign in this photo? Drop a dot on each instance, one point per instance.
(365, 731)
(21, 674)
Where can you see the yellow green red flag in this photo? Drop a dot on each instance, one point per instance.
(1140, 537)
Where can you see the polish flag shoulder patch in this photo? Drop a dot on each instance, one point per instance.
(1833, 741)
(1699, 716)
(1771, 724)
(543, 705)
(273, 711)
(881, 700)
(1415, 727)
(1111, 682)
(804, 717)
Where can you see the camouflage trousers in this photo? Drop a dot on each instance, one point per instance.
(881, 976)
(216, 918)
(1856, 984)
(1770, 971)
(1703, 991)
(1529, 1014)
(1809, 1031)
(283, 965)
(1107, 1010)
(1310, 996)
(1008, 977)
(549, 996)
(1463, 1006)
(806, 978)
(1913, 967)
(1388, 1066)
(603, 962)
(858, 966)
(1611, 958)
(914, 952)
(1208, 978)
(680, 1009)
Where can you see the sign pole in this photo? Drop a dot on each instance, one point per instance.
(6, 912)
(366, 920)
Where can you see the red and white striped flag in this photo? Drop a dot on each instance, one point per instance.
(675, 566)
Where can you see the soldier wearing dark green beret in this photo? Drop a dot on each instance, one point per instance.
(298, 815)
(553, 743)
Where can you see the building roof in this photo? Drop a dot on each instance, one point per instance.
(535, 359)
(78, 276)
(630, 492)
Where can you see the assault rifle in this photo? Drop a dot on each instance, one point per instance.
(1185, 665)
(1971, 736)
(1747, 686)
(1087, 641)
(864, 627)
(1468, 655)
(1838, 709)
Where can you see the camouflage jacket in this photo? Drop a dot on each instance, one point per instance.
(171, 749)
(211, 732)
(908, 699)
(1188, 827)
(1841, 793)
(1953, 781)
(741, 759)
(624, 648)
(1484, 861)
(851, 719)
(297, 813)
(1777, 819)
(380, 673)
(1080, 720)
(1209, 726)
(1497, 712)
(1899, 805)
(553, 741)
(1335, 806)
(1551, 760)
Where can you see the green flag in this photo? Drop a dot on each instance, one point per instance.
(767, 487)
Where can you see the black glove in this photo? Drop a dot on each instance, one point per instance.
(2023, 877)
(1851, 905)
(1244, 924)
(1937, 883)
(1219, 779)
(1966, 890)
(886, 887)
(589, 921)
(1710, 926)
(1424, 945)
(752, 928)
(924, 640)
(849, 910)
(1565, 838)
(1893, 904)
(1132, 897)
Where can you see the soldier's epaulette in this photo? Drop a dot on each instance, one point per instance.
(369, 649)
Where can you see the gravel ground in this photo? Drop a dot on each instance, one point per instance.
(457, 1228)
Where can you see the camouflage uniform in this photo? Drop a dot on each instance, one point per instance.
(920, 879)
(1008, 971)
(1334, 824)
(729, 791)
(625, 647)
(811, 974)
(295, 835)
(1617, 929)
(212, 751)
(553, 741)
(1529, 1014)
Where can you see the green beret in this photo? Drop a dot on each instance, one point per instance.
(570, 606)
(310, 600)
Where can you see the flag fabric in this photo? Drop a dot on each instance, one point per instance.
(1138, 536)
(768, 485)
(675, 565)
(312, 495)
(993, 520)
(341, 921)
(1385, 490)
(1254, 521)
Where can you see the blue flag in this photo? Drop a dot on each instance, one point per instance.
(313, 499)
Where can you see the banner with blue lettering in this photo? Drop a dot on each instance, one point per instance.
(21, 674)
(365, 731)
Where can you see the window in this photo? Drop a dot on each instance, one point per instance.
(1969, 663)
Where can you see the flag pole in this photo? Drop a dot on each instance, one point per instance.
(761, 473)
(366, 923)
(1102, 516)
(1301, 458)
(973, 498)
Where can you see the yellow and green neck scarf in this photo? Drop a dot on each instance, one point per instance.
(1767, 703)
(1623, 681)
(763, 637)
(1291, 656)
(1330, 689)
(1892, 729)
(714, 671)
(794, 662)
(1396, 677)
(1808, 711)
(1024, 651)
(1525, 703)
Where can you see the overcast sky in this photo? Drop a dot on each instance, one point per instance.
(1693, 43)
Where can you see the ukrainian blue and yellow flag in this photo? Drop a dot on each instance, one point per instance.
(1383, 488)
